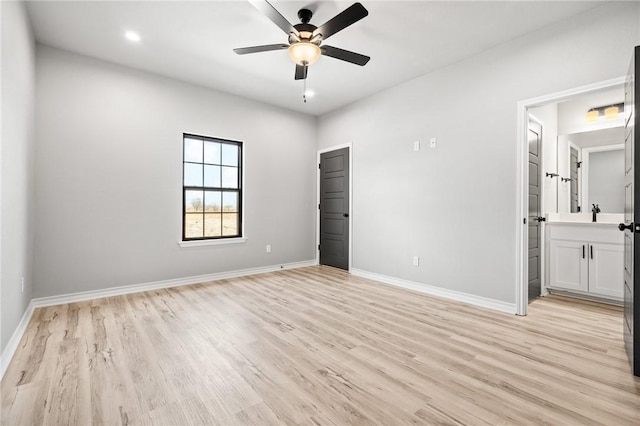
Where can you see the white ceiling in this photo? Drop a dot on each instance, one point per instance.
(193, 41)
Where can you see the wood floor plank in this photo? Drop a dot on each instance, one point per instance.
(317, 346)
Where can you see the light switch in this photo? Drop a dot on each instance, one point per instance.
(433, 142)
(416, 146)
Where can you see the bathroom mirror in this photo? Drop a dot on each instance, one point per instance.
(591, 171)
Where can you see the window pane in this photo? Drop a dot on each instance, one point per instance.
(193, 225)
(212, 176)
(212, 152)
(212, 225)
(193, 150)
(229, 177)
(229, 155)
(230, 224)
(192, 174)
(230, 202)
(212, 201)
(193, 201)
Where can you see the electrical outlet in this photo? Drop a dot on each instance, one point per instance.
(416, 146)
(433, 142)
(22, 284)
(416, 261)
(268, 248)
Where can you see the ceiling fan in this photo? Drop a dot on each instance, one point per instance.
(305, 39)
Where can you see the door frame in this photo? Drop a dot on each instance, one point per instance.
(522, 178)
(349, 146)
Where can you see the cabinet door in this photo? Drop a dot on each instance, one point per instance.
(568, 265)
(605, 269)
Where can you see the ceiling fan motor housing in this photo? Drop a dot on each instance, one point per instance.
(305, 33)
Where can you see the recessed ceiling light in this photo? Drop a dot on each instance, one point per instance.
(132, 36)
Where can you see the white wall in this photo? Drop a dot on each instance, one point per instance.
(17, 172)
(109, 161)
(454, 206)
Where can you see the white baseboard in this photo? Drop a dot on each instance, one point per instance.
(471, 299)
(42, 302)
(155, 285)
(13, 343)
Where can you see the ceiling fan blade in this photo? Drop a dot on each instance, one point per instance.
(266, 8)
(345, 55)
(342, 20)
(301, 72)
(256, 49)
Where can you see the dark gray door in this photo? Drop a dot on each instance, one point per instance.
(535, 150)
(334, 208)
(631, 227)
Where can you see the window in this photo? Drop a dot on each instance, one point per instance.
(211, 188)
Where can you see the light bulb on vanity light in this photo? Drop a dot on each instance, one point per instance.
(611, 112)
(592, 115)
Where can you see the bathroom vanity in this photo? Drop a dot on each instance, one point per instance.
(585, 258)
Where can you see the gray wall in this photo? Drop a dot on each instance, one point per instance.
(17, 172)
(454, 206)
(109, 162)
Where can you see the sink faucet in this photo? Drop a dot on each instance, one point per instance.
(595, 210)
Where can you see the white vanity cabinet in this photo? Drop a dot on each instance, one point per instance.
(585, 258)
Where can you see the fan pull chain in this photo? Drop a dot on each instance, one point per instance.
(304, 91)
(304, 87)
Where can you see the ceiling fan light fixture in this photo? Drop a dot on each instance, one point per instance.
(304, 53)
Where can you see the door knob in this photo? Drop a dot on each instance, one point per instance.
(541, 219)
(622, 226)
(346, 215)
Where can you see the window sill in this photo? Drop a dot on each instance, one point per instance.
(200, 243)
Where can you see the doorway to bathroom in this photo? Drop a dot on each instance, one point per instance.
(560, 188)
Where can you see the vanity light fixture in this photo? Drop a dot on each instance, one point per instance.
(609, 112)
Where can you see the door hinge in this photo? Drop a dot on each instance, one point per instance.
(318, 246)
(524, 221)
(579, 163)
(319, 166)
(318, 206)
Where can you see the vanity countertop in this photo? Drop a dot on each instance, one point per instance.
(602, 219)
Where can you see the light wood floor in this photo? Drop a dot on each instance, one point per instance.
(316, 346)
